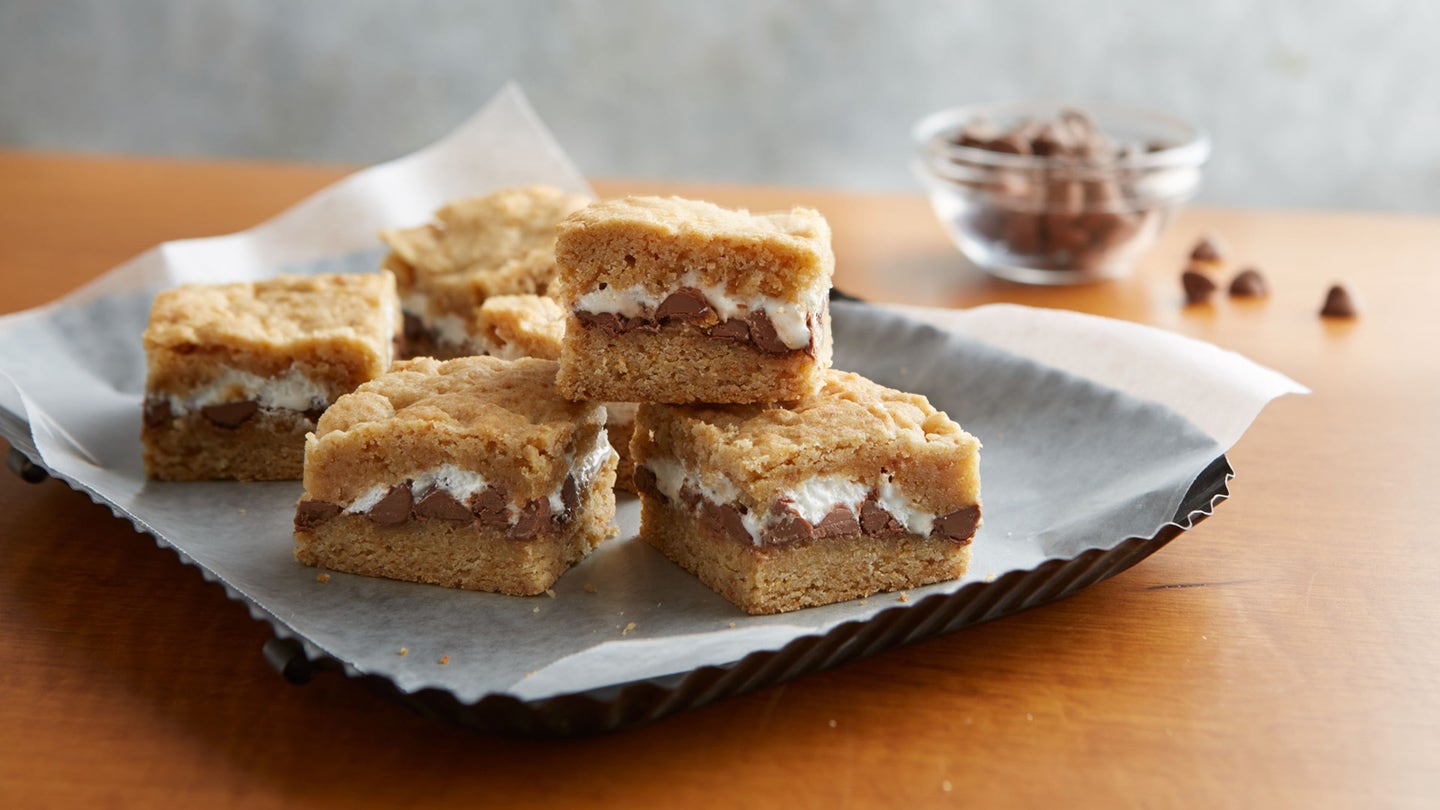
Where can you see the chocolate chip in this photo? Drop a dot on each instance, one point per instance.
(638, 323)
(977, 134)
(1339, 303)
(724, 520)
(532, 519)
(157, 413)
(841, 522)
(1011, 143)
(1198, 286)
(787, 525)
(1248, 283)
(1208, 249)
(958, 525)
(414, 330)
(230, 415)
(1049, 141)
(877, 522)
(645, 483)
(736, 330)
(690, 497)
(763, 335)
(491, 506)
(437, 504)
(686, 304)
(570, 494)
(309, 514)
(604, 321)
(394, 508)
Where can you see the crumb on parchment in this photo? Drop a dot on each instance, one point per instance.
(404, 651)
(322, 577)
(550, 592)
(590, 588)
(904, 597)
(628, 629)
(444, 659)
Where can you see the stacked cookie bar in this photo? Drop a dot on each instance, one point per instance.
(777, 481)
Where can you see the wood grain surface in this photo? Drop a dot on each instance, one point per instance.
(1283, 654)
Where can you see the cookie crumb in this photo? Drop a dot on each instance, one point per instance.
(628, 628)
(904, 597)
(444, 660)
(322, 577)
(550, 592)
(945, 785)
(535, 609)
(404, 651)
(732, 624)
(990, 577)
(833, 724)
(242, 510)
(590, 588)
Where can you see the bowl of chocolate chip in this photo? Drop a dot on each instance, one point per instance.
(1048, 193)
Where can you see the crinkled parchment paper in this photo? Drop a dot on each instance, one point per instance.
(1093, 431)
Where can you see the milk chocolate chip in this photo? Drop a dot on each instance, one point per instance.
(309, 514)
(532, 519)
(570, 494)
(645, 483)
(1339, 303)
(1248, 283)
(230, 415)
(1198, 286)
(394, 508)
(157, 413)
(437, 504)
(491, 506)
(788, 526)
(724, 519)
(1208, 249)
(735, 330)
(762, 333)
(958, 525)
(841, 522)
(686, 304)
(877, 522)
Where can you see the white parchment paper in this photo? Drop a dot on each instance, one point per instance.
(1093, 431)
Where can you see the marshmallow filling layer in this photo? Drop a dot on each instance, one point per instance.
(450, 493)
(824, 506)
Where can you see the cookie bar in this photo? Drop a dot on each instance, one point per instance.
(239, 373)
(679, 301)
(470, 473)
(853, 490)
(514, 326)
(502, 243)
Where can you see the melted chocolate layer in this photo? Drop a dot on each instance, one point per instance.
(689, 305)
(489, 507)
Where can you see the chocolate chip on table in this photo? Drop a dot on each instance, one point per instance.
(1248, 283)
(1208, 249)
(1339, 303)
(1198, 286)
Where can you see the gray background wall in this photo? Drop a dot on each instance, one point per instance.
(1311, 104)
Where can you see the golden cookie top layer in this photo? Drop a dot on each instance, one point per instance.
(654, 241)
(852, 427)
(501, 243)
(276, 311)
(502, 418)
(335, 330)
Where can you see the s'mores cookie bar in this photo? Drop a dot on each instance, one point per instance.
(678, 301)
(470, 473)
(502, 243)
(239, 373)
(514, 326)
(850, 491)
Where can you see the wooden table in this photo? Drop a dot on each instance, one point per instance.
(1283, 654)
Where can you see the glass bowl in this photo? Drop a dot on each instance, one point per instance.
(1051, 193)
